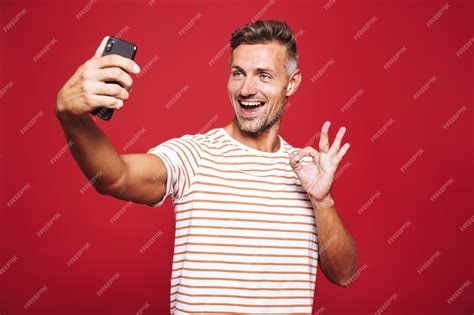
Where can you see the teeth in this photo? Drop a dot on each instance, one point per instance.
(251, 103)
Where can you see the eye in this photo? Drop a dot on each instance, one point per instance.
(265, 76)
(237, 74)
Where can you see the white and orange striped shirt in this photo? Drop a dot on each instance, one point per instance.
(245, 239)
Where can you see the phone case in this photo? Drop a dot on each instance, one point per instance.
(118, 47)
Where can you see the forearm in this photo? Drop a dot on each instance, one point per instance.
(92, 150)
(337, 250)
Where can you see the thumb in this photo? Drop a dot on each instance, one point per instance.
(100, 50)
(293, 159)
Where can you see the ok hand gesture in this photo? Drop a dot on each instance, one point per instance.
(316, 170)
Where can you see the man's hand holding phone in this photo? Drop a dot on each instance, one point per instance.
(87, 90)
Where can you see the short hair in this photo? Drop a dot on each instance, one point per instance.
(266, 31)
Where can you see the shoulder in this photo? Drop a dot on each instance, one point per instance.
(287, 147)
(209, 139)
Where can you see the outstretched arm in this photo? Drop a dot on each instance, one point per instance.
(140, 178)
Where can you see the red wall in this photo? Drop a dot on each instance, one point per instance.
(374, 196)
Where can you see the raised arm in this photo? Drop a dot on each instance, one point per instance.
(140, 178)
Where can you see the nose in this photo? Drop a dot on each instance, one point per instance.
(248, 87)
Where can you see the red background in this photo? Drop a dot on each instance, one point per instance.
(328, 34)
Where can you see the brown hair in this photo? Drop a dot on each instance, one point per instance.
(265, 31)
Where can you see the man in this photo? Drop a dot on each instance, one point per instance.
(247, 203)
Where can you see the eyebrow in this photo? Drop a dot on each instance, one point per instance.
(258, 69)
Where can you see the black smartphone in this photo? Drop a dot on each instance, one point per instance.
(118, 47)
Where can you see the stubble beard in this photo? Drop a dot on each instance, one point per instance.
(261, 124)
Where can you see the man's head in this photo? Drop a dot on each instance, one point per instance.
(263, 70)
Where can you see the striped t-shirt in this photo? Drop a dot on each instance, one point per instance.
(245, 239)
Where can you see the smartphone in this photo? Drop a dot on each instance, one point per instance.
(118, 47)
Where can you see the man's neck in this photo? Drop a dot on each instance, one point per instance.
(266, 141)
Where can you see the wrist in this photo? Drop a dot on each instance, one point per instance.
(66, 117)
(325, 202)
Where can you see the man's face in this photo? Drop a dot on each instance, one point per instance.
(258, 85)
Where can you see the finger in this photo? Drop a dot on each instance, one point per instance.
(98, 101)
(126, 64)
(115, 74)
(109, 89)
(324, 140)
(307, 151)
(337, 142)
(337, 159)
(305, 156)
(100, 49)
(293, 161)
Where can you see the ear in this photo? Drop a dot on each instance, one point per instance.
(294, 82)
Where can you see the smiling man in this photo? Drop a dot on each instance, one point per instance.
(254, 215)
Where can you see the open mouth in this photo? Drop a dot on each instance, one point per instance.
(250, 108)
(250, 104)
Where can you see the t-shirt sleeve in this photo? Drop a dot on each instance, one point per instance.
(181, 158)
